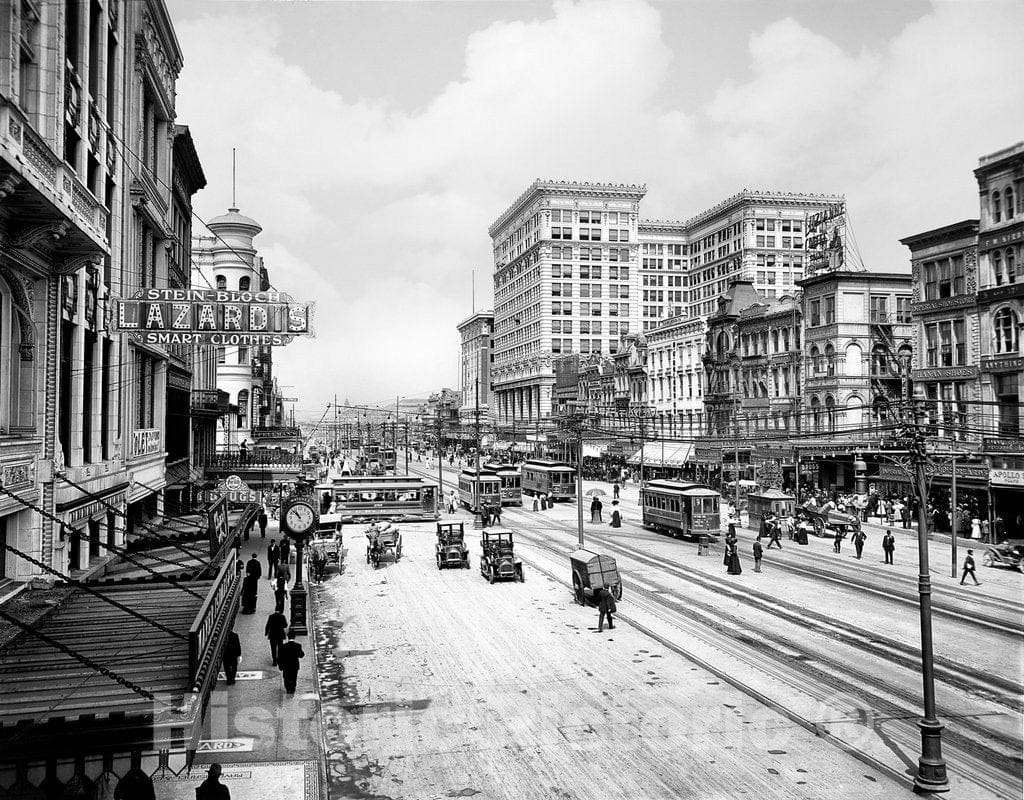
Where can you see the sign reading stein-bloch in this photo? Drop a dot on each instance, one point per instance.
(212, 316)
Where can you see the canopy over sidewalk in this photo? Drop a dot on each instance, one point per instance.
(663, 454)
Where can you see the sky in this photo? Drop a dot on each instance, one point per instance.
(377, 141)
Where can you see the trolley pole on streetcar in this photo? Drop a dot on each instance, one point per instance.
(931, 767)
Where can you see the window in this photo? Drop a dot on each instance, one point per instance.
(221, 357)
(243, 283)
(815, 360)
(1004, 325)
(221, 281)
(830, 309)
(770, 241)
(1008, 195)
(830, 360)
(879, 309)
(903, 315)
(760, 241)
(623, 236)
(1008, 398)
(815, 312)
(997, 212)
(243, 355)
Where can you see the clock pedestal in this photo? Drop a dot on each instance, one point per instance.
(299, 596)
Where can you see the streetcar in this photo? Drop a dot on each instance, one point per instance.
(481, 487)
(556, 479)
(389, 459)
(681, 508)
(369, 498)
(511, 482)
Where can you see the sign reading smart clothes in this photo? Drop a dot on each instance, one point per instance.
(212, 316)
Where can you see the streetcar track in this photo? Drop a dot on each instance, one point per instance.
(953, 673)
(983, 759)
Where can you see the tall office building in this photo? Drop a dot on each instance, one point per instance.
(565, 276)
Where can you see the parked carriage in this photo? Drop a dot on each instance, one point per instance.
(382, 538)
(681, 508)
(592, 571)
(556, 479)
(479, 489)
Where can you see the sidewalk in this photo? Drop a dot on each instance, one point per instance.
(269, 743)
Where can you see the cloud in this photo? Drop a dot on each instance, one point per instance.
(379, 211)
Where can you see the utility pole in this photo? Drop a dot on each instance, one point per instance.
(406, 428)
(952, 501)
(440, 473)
(477, 515)
(335, 423)
(931, 768)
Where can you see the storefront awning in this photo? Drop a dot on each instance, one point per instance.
(663, 454)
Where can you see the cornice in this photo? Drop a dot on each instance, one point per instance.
(763, 197)
(624, 191)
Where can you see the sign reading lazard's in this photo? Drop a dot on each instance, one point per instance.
(212, 316)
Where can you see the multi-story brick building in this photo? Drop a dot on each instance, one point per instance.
(565, 269)
(663, 271)
(1000, 177)
(475, 366)
(675, 377)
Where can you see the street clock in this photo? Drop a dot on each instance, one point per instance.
(298, 518)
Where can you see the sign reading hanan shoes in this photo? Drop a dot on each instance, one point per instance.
(212, 316)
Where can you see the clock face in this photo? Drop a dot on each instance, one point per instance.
(299, 518)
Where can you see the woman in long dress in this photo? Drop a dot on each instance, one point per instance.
(734, 560)
(616, 516)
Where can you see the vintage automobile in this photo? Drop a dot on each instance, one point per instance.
(828, 523)
(1005, 554)
(327, 536)
(592, 571)
(498, 560)
(382, 538)
(451, 550)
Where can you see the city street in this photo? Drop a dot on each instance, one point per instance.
(467, 686)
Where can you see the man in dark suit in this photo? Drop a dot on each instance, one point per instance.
(969, 569)
(288, 659)
(232, 652)
(273, 556)
(888, 546)
(274, 631)
(253, 568)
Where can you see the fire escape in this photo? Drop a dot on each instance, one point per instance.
(886, 381)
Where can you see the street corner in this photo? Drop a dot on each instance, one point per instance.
(282, 780)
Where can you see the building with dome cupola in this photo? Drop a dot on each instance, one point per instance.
(227, 259)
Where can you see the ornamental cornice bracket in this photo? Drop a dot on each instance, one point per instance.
(9, 184)
(34, 234)
(74, 263)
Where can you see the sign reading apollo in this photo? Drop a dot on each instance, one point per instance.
(212, 316)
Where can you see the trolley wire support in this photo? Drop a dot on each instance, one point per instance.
(573, 425)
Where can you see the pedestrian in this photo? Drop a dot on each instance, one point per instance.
(212, 788)
(253, 567)
(616, 515)
(888, 546)
(288, 656)
(837, 542)
(595, 509)
(775, 533)
(730, 540)
(262, 522)
(285, 551)
(758, 554)
(243, 452)
(284, 571)
(969, 569)
(615, 490)
(733, 556)
(275, 631)
(605, 609)
(496, 513)
(280, 590)
(250, 587)
(859, 537)
(544, 505)
(272, 556)
(535, 504)
(905, 516)
(232, 653)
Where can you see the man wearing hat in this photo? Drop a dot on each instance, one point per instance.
(212, 788)
(969, 569)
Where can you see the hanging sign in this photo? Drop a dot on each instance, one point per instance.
(212, 316)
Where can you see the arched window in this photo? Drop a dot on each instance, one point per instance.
(830, 412)
(1008, 195)
(997, 212)
(243, 283)
(854, 360)
(997, 267)
(815, 360)
(1011, 266)
(1004, 326)
(16, 374)
(854, 412)
(830, 360)
(775, 341)
(221, 281)
(816, 413)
